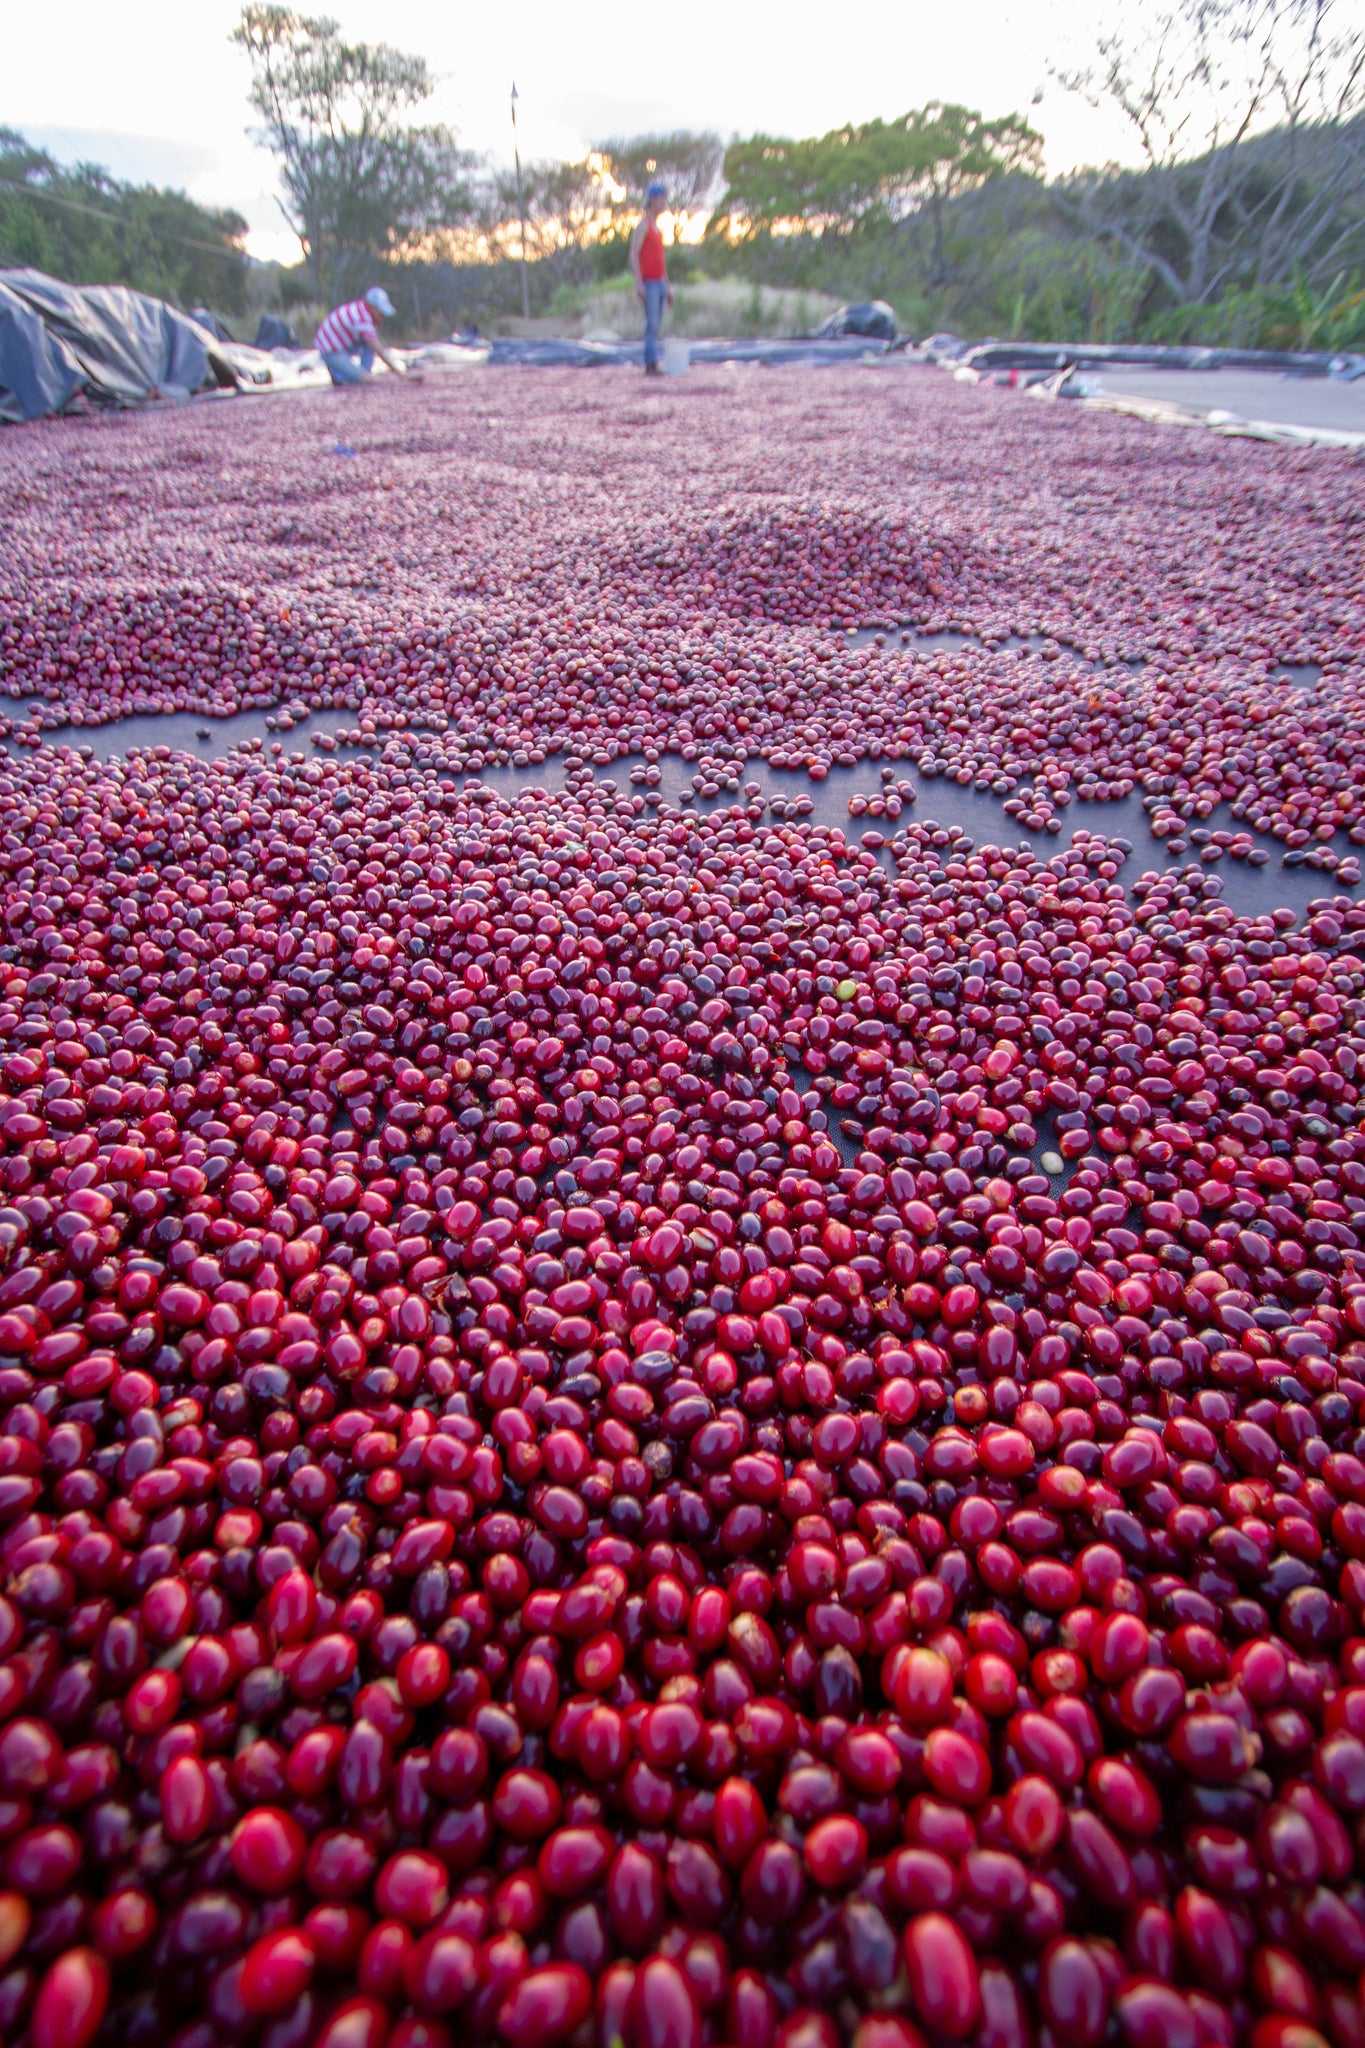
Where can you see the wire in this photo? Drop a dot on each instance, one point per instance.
(8, 187)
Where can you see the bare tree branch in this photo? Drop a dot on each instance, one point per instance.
(360, 180)
(1250, 117)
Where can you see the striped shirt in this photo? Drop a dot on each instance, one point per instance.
(344, 327)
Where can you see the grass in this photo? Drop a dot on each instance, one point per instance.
(704, 307)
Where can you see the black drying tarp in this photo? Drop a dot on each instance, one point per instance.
(553, 353)
(850, 349)
(871, 318)
(1097, 355)
(125, 347)
(550, 352)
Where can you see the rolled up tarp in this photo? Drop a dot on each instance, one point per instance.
(1097, 355)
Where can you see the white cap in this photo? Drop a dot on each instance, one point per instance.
(377, 297)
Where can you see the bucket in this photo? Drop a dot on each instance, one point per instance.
(677, 356)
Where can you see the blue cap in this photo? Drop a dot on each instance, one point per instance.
(657, 190)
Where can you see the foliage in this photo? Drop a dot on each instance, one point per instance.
(869, 176)
(959, 152)
(1245, 224)
(567, 207)
(1301, 318)
(82, 225)
(707, 306)
(579, 215)
(1296, 318)
(1250, 119)
(688, 164)
(1082, 291)
(362, 183)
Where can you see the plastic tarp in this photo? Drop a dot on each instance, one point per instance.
(554, 352)
(1038, 355)
(1284, 430)
(259, 369)
(811, 351)
(1177, 412)
(209, 321)
(128, 347)
(1165, 412)
(37, 374)
(871, 318)
(944, 348)
(302, 369)
(447, 355)
(292, 369)
(551, 352)
(272, 332)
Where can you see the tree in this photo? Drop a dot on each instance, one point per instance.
(811, 185)
(1248, 115)
(879, 173)
(688, 164)
(954, 151)
(361, 182)
(567, 206)
(85, 226)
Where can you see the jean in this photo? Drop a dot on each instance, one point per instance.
(656, 298)
(343, 366)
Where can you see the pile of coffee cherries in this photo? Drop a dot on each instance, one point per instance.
(567, 1478)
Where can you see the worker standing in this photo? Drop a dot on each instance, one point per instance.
(348, 340)
(650, 270)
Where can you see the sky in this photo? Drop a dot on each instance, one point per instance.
(156, 92)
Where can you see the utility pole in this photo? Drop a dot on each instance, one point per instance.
(521, 209)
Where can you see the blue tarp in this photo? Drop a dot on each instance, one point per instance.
(123, 346)
(37, 374)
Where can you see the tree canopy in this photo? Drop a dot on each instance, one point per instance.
(688, 164)
(880, 172)
(83, 225)
(1250, 119)
(362, 181)
(567, 206)
(1243, 222)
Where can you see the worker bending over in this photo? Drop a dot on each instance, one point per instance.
(348, 340)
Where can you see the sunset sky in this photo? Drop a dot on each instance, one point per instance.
(168, 103)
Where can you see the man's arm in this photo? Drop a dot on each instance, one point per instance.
(384, 355)
(636, 243)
